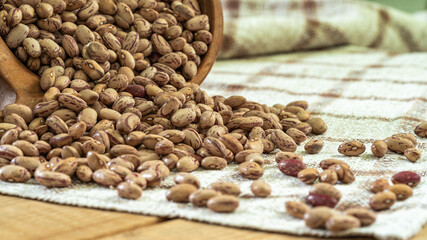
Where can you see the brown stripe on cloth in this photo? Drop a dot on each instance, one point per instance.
(345, 206)
(231, 10)
(334, 93)
(376, 172)
(303, 75)
(383, 20)
(418, 105)
(335, 36)
(363, 140)
(335, 64)
(383, 119)
(268, 71)
(309, 9)
(406, 36)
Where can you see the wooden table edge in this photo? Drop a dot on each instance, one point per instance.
(134, 226)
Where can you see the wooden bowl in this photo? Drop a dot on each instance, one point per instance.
(18, 84)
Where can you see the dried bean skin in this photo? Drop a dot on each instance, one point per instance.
(340, 223)
(398, 144)
(14, 173)
(106, 178)
(382, 200)
(421, 130)
(201, 197)
(287, 155)
(251, 170)
(327, 163)
(365, 216)
(318, 125)
(402, 191)
(379, 148)
(412, 154)
(352, 148)
(409, 178)
(260, 188)
(223, 204)
(308, 175)
(326, 189)
(297, 209)
(314, 146)
(317, 200)
(291, 167)
(344, 173)
(129, 190)
(379, 185)
(184, 177)
(318, 216)
(328, 176)
(181, 192)
(226, 188)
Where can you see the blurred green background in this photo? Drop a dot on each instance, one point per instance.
(405, 5)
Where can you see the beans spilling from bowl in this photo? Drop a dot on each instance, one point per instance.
(118, 110)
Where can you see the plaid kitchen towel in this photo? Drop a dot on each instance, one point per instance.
(362, 94)
(254, 27)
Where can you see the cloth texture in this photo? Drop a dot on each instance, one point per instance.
(254, 27)
(362, 94)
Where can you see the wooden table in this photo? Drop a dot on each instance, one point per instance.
(29, 219)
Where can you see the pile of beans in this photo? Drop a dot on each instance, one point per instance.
(399, 143)
(118, 111)
(324, 196)
(83, 43)
(325, 217)
(386, 195)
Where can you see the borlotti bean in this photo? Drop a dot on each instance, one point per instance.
(314, 146)
(421, 130)
(318, 216)
(223, 203)
(379, 148)
(181, 193)
(260, 188)
(412, 154)
(379, 185)
(402, 191)
(326, 189)
(382, 200)
(297, 209)
(201, 197)
(129, 190)
(308, 176)
(409, 178)
(342, 222)
(352, 148)
(365, 216)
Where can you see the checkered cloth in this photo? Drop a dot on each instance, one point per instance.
(362, 94)
(254, 27)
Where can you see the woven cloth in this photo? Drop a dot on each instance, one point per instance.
(362, 94)
(254, 27)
